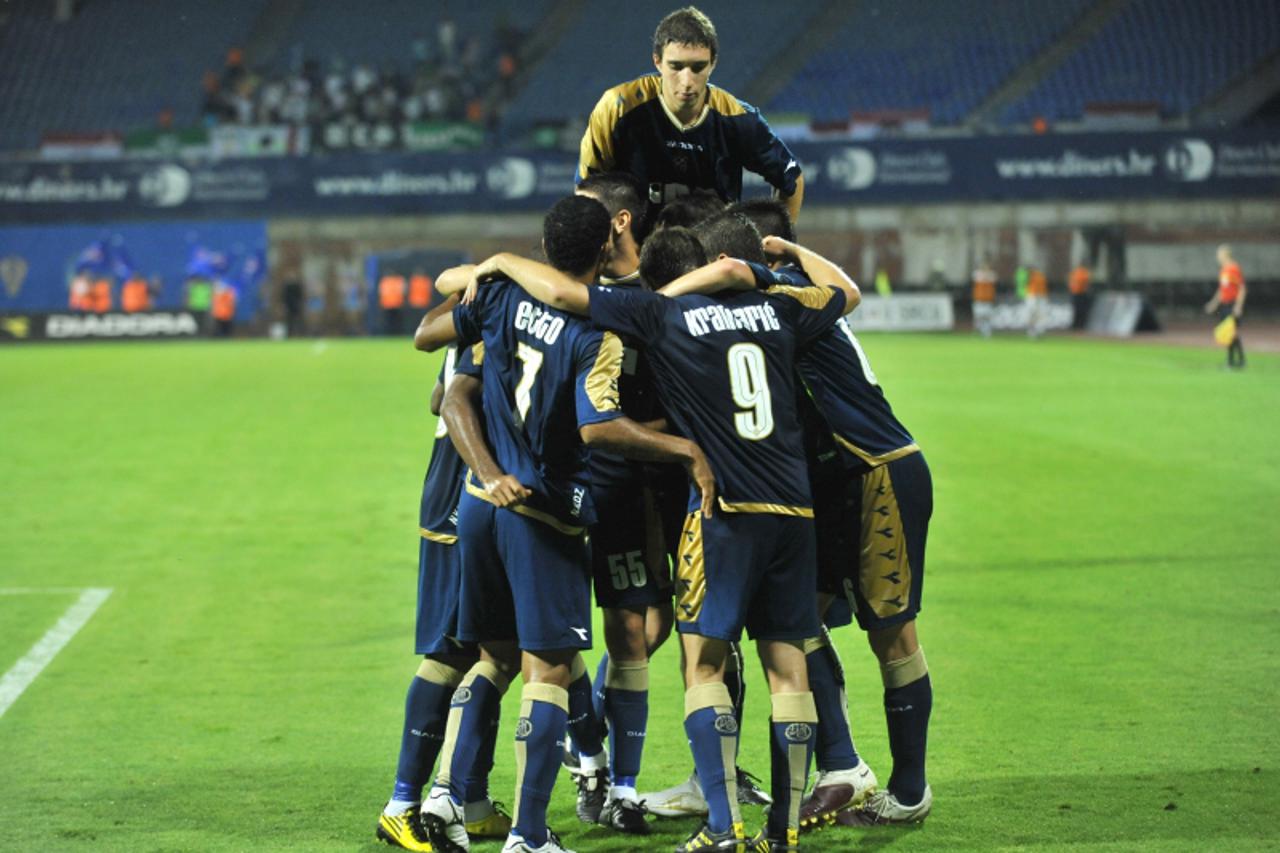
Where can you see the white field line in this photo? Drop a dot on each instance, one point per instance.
(22, 673)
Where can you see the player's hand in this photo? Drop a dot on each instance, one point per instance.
(700, 472)
(506, 491)
(486, 270)
(778, 247)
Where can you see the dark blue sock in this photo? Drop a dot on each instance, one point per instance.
(833, 748)
(539, 745)
(426, 711)
(906, 710)
(598, 686)
(476, 788)
(584, 725)
(475, 702)
(709, 723)
(627, 710)
(734, 682)
(792, 728)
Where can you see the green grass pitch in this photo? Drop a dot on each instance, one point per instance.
(1102, 617)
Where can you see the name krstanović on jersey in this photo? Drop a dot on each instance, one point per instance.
(721, 318)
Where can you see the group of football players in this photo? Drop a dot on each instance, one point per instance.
(673, 408)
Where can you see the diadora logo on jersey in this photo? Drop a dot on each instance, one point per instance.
(720, 318)
(538, 322)
(799, 732)
(726, 724)
(581, 632)
(684, 146)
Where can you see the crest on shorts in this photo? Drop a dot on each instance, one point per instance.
(726, 724)
(799, 732)
(524, 728)
(13, 272)
(461, 696)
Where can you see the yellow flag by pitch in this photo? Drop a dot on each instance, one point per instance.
(1225, 332)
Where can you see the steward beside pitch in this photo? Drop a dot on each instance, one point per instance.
(676, 133)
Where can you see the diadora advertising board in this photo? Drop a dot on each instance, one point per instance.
(1050, 167)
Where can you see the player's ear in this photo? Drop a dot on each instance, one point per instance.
(721, 256)
(657, 62)
(622, 222)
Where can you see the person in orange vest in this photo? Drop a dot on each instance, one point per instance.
(420, 290)
(100, 296)
(224, 308)
(1229, 302)
(984, 297)
(1037, 302)
(135, 295)
(1078, 284)
(391, 293)
(78, 299)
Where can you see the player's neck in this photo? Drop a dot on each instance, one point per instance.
(688, 117)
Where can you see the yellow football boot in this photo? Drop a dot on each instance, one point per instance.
(403, 830)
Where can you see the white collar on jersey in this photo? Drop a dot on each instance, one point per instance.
(681, 126)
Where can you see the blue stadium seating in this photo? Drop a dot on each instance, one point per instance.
(114, 66)
(603, 48)
(1175, 53)
(922, 54)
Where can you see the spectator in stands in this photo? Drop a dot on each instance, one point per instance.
(224, 308)
(984, 297)
(292, 297)
(1037, 302)
(419, 290)
(135, 295)
(1228, 302)
(100, 301)
(1078, 284)
(78, 298)
(391, 295)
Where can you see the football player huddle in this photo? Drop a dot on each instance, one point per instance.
(670, 408)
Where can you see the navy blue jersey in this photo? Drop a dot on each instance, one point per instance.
(846, 391)
(546, 373)
(611, 474)
(438, 512)
(631, 130)
(725, 371)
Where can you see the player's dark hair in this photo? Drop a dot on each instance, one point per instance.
(688, 210)
(619, 191)
(669, 254)
(731, 234)
(769, 215)
(686, 26)
(574, 233)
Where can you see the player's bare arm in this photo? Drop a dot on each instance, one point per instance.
(721, 274)
(817, 268)
(544, 283)
(436, 329)
(461, 412)
(793, 201)
(454, 280)
(437, 397)
(632, 440)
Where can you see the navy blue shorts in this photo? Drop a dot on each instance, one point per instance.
(625, 573)
(747, 570)
(894, 502)
(439, 589)
(836, 523)
(522, 580)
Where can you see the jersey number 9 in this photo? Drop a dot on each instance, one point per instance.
(749, 380)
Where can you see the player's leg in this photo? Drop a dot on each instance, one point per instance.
(888, 594)
(712, 731)
(793, 722)
(485, 616)
(544, 712)
(586, 732)
(428, 697)
(783, 612)
(625, 690)
(549, 573)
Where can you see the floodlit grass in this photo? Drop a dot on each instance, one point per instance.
(1102, 618)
